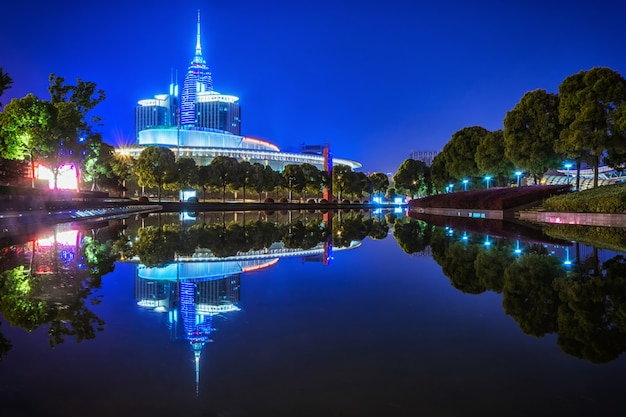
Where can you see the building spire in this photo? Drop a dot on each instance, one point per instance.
(198, 45)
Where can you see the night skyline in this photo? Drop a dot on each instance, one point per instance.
(375, 80)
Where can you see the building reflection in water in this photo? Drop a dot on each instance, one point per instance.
(195, 288)
(191, 293)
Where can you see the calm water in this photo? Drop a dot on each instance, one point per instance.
(301, 314)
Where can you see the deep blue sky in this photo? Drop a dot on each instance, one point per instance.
(375, 79)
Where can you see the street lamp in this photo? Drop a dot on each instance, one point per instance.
(487, 178)
(451, 187)
(568, 165)
(518, 174)
(465, 185)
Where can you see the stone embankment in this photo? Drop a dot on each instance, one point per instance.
(583, 219)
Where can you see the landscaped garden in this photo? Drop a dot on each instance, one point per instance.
(605, 199)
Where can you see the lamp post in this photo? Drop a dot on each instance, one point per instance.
(487, 178)
(465, 185)
(568, 165)
(451, 187)
(518, 174)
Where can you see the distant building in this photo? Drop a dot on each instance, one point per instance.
(424, 156)
(218, 111)
(157, 112)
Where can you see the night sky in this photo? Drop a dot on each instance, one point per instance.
(375, 79)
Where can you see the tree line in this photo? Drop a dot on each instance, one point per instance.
(158, 167)
(584, 122)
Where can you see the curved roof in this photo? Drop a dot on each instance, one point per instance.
(209, 143)
(209, 138)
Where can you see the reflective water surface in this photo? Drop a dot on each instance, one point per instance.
(312, 314)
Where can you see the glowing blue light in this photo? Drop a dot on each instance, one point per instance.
(464, 237)
(465, 185)
(398, 200)
(377, 200)
(567, 261)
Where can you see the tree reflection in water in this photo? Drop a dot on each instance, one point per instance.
(49, 281)
(584, 303)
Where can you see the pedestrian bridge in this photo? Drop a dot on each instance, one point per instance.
(606, 176)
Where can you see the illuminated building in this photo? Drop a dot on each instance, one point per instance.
(159, 111)
(218, 111)
(205, 124)
(197, 80)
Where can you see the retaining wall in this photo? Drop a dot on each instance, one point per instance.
(588, 219)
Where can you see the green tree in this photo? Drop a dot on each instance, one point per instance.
(246, 176)
(271, 179)
(588, 110)
(412, 235)
(413, 176)
(313, 180)
(186, 175)
(460, 152)
(293, 178)
(207, 178)
(155, 167)
(530, 132)
(5, 82)
(363, 184)
(155, 246)
(341, 177)
(491, 264)
(225, 171)
(25, 125)
(257, 178)
(440, 176)
(491, 158)
(380, 182)
(591, 324)
(98, 161)
(528, 294)
(122, 165)
(73, 128)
